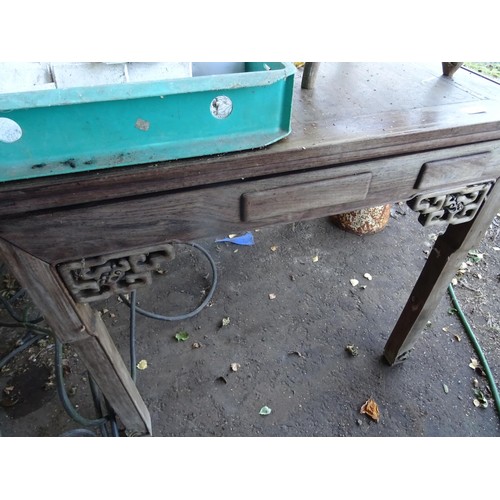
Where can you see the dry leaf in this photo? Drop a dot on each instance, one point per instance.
(474, 363)
(458, 337)
(226, 321)
(142, 365)
(315, 258)
(272, 296)
(274, 248)
(371, 409)
(354, 282)
(368, 276)
(235, 367)
(352, 349)
(265, 410)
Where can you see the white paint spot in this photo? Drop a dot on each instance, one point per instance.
(10, 131)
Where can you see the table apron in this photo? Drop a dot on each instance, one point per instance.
(94, 229)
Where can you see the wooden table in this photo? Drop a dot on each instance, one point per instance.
(365, 135)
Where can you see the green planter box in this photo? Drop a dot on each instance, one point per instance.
(63, 131)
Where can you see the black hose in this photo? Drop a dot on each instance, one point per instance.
(181, 317)
(64, 396)
(133, 358)
(21, 348)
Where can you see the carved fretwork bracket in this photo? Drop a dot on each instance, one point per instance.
(101, 277)
(453, 207)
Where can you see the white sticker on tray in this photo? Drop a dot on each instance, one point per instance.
(10, 131)
(221, 107)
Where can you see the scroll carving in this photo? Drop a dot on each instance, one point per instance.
(451, 207)
(99, 278)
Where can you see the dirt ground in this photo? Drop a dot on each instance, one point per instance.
(276, 334)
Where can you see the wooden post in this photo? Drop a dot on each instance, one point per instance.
(78, 325)
(449, 251)
(309, 75)
(450, 68)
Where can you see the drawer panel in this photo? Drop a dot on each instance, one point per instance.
(301, 197)
(448, 171)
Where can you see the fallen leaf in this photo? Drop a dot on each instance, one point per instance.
(474, 363)
(476, 366)
(226, 321)
(481, 398)
(142, 365)
(445, 388)
(352, 349)
(272, 296)
(315, 258)
(354, 282)
(458, 337)
(181, 336)
(371, 409)
(475, 257)
(235, 367)
(274, 248)
(265, 410)
(445, 328)
(296, 353)
(368, 276)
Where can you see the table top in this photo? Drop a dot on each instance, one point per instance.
(356, 112)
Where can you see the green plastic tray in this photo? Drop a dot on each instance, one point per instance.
(63, 131)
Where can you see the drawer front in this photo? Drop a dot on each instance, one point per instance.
(301, 197)
(458, 170)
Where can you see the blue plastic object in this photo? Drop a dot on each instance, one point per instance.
(63, 131)
(244, 239)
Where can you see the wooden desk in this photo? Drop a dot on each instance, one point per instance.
(365, 135)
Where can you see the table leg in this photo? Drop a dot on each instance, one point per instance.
(450, 68)
(309, 75)
(79, 325)
(449, 251)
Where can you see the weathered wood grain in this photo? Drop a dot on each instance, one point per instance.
(449, 251)
(80, 326)
(95, 229)
(463, 169)
(356, 113)
(302, 197)
(309, 75)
